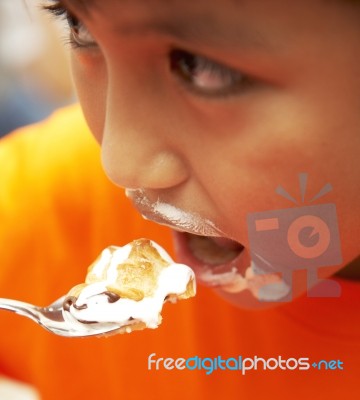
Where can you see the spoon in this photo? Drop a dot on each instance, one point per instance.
(51, 318)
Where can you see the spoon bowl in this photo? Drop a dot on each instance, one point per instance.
(52, 319)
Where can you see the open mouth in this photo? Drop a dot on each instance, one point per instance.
(217, 261)
(226, 264)
(214, 251)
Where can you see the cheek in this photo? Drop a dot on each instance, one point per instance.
(253, 156)
(86, 71)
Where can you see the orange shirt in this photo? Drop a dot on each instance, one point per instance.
(58, 211)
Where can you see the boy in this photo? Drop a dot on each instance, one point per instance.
(202, 109)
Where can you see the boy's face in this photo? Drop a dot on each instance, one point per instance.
(203, 108)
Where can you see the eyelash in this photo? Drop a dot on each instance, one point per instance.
(186, 65)
(58, 10)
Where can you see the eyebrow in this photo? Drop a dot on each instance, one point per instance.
(80, 5)
(196, 28)
(86, 5)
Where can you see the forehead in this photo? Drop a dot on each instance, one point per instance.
(86, 5)
(261, 21)
(217, 20)
(231, 8)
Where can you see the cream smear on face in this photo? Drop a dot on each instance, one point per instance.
(167, 214)
(264, 287)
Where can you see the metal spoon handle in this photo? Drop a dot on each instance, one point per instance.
(21, 308)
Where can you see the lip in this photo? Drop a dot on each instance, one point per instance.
(169, 215)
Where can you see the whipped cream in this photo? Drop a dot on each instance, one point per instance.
(98, 304)
(167, 214)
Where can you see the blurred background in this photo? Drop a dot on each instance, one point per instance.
(34, 68)
(34, 80)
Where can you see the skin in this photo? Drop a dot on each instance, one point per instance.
(222, 155)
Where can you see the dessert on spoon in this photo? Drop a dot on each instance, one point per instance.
(124, 290)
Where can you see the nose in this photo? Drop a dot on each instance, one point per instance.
(139, 147)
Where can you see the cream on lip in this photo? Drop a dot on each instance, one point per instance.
(172, 216)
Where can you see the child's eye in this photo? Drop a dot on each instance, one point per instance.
(205, 76)
(79, 34)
